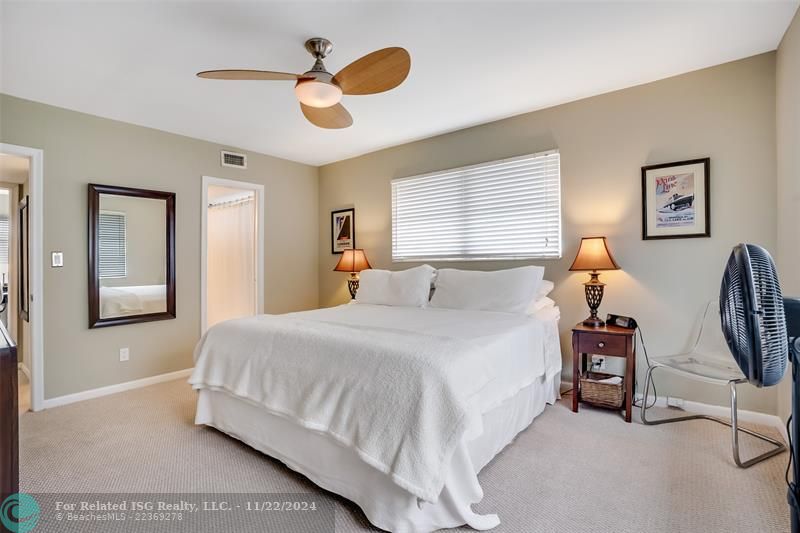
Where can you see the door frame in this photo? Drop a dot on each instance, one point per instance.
(13, 253)
(259, 192)
(36, 250)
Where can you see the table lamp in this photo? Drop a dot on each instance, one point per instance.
(593, 255)
(353, 261)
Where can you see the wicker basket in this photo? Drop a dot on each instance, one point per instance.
(601, 394)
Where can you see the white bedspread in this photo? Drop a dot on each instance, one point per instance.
(401, 386)
(132, 300)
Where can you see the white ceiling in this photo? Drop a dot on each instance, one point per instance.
(472, 62)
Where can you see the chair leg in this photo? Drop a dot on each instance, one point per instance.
(779, 447)
(648, 379)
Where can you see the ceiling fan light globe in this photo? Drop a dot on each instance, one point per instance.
(315, 93)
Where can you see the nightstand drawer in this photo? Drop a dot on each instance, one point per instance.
(599, 343)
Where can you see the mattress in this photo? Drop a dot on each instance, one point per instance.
(506, 407)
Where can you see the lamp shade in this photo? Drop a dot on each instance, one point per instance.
(593, 254)
(353, 260)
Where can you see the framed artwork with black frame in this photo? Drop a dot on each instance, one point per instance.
(343, 230)
(676, 202)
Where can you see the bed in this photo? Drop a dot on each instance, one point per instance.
(394, 408)
(132, 300)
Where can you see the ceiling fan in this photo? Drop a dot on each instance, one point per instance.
(320, 92)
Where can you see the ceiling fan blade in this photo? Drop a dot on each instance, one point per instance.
(244, 74)
(376, 72)
(332, 118)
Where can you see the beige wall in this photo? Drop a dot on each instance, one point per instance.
(79, 149)
(726, 112)
(788, 139)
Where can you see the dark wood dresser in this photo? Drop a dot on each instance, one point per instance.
(9, 417)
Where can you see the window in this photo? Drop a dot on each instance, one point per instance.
(509, 209)
(112, 246)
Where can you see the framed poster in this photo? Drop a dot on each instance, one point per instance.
(343, 230)
(675, 200)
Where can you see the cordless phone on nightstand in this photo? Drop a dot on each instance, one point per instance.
(621, 321)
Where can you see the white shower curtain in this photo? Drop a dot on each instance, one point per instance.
(231, 281)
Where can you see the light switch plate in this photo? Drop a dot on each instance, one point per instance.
(57, 259)
(124, 354)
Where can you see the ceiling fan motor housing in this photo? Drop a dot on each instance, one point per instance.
(319, 47)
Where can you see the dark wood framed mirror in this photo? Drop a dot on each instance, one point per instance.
(131, 255)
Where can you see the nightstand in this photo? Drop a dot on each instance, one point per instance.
(611, 341)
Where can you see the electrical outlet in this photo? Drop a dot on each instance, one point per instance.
(124, 354)
(598, 362)
(674, 402)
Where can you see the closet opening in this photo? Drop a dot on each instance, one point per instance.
(232, 251)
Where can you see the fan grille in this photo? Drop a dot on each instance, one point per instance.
(753, 318)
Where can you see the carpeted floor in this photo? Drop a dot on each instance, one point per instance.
(567, 472)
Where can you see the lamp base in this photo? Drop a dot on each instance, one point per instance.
(594, 296)
(594, 322)
(352, 285)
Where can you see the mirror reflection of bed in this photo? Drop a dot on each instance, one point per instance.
(132, 256)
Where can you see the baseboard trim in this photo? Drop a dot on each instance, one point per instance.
(113, 389)
(24, 370)
(724, 412)
(752, 417)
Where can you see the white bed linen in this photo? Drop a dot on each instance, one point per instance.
(133, 300)
(338, 469)
(508, 355)
(409, 288)
(509, 291)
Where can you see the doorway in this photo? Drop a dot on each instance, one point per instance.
(232, 251)
(15, 267)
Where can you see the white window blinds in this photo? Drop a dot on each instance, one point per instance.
(112, 248)
(509, 209)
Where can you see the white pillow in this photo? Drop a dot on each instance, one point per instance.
(545, 288)
(510, 291)
(408, 288)
(542, 303)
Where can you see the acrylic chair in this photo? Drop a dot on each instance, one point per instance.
(711, 362)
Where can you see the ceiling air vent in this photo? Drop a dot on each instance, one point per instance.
(232, 159)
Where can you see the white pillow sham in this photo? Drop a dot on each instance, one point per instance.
(542, 303)
(509, 291)
(405, 288)
(545, 288)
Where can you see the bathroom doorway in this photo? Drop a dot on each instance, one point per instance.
(232, 252)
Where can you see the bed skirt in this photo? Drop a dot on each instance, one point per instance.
(338, 469)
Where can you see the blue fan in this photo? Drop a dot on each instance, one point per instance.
(762, 330)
